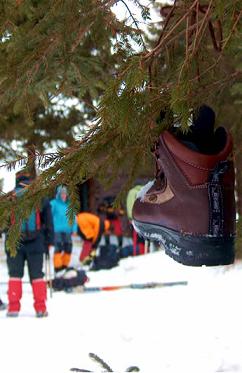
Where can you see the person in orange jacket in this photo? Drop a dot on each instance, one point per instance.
(91, 228)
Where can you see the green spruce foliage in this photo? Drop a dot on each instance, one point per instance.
(121, 76)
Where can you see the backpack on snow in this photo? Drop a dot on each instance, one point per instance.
(71, 278)
(108, 258)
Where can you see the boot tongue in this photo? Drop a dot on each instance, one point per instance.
(203, 129)
(201, 135)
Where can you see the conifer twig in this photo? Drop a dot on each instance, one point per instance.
(135, 22)
(163, 39)
(80, 35)
(167, 20)
(212, 66)
(201, 30)
(100, 361)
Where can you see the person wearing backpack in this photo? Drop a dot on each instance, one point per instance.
(36, 234)
(63, 229)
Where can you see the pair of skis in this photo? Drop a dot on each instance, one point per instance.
(138, 286)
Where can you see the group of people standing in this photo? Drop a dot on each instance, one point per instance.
(46, 227)
(50, 226)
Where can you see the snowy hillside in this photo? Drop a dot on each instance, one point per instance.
(194, 328)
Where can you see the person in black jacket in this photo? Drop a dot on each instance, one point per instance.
(37, 234)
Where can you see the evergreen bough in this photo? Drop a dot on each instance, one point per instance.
(122, 77)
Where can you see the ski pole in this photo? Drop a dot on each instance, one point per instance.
(48, 273)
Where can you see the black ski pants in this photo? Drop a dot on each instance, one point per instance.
(34, 261)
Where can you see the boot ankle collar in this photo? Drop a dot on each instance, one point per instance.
(203, 161)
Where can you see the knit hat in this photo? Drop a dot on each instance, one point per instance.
(61, 189)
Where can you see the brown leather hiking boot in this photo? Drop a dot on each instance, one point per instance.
(190, 206)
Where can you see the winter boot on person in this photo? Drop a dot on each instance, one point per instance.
(3, 306)
(190, 206)
(41, 314)
(14, 296)
(40, 296)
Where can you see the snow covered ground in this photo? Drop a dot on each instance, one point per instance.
(194, 328)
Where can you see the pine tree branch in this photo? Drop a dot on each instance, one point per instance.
(80, 49)
(80, 35)
(167, 20)
(135, 22)
(196, 43)
(226, 41)
(164, 38)
(201, 31)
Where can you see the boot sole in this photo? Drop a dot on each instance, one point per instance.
(12, 314)
(40, 315)
(187, 249)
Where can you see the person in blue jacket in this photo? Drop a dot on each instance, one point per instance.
(62, 228)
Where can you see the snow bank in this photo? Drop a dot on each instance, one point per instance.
(193, 328)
